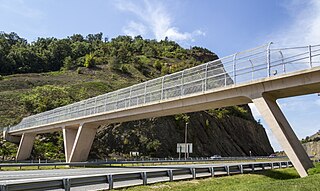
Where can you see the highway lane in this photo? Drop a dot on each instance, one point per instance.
(7, 177)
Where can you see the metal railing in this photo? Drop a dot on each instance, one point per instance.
(132, 162)
(111, 181)
(242, 67)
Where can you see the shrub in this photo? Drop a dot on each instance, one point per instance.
(157, 64)
(89, 61)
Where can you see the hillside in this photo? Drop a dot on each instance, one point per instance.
(50, 72)
(312, 145)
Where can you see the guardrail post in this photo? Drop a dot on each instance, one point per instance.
(66, 184)
(211, 169)
(271, 165)
(144, 178)
(110, 181)
(170, 174)
(227, 170)
(193, 172)
(287, 164)
(241, 169)
(3, 187)
(252, 166)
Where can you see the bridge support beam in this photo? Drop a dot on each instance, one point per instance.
(77, 142)
(271, 112)
(25, 146)
(69, 136)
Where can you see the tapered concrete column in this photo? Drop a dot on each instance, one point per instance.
(69, 136)
(82, 142)
(283, 132)
(25, 146)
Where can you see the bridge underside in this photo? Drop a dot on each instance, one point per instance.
(79, 134)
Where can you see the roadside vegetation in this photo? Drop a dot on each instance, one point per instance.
(275, 180)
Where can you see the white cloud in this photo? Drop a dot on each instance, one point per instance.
(305, 26)
(154, 17)
(134, 29)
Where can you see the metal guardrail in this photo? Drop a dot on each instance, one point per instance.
(45, 163)
(142, 178)
(247, 66)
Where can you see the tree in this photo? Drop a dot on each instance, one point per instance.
(89, 61)
(44, 98)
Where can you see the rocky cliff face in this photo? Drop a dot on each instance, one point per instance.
(210, 132)
(312, 148)
(312, 145)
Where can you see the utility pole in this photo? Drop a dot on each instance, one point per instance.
(185, 141)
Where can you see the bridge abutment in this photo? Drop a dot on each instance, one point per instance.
(280, 127)
(25, 146)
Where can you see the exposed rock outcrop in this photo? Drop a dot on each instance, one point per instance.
(210, 134)
(312, 145)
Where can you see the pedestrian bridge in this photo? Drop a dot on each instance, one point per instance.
(260, 75)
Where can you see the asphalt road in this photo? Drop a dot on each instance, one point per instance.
(7, 176)
(38, 175)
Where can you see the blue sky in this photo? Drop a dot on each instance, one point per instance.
(224, 27)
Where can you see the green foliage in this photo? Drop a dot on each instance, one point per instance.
(125, 68)
(219, 113)
(182, 117)
(49, 146)
(44, 98)
(89, 61)
(114, 63)
(165, 70)
(230, 111)
(68, 63)
(51, 54)
(207, 123)
(157, 64)
(7, 150)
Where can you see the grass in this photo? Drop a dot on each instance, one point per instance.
(270, 180)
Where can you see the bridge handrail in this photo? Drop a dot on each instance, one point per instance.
(260, 62)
